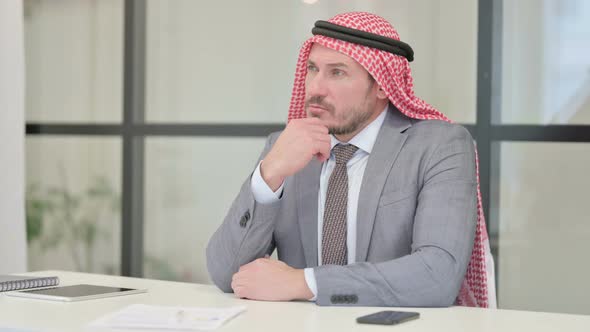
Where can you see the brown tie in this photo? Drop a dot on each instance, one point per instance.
(334, 249)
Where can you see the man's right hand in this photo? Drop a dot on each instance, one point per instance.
(301, 140)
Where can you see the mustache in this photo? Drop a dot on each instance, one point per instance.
(319, 101)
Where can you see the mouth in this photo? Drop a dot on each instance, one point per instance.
(315, 109)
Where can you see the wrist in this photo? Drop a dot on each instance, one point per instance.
(270, 175)
(303, 291)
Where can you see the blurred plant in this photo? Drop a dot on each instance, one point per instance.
(56, 216)
(159, 268)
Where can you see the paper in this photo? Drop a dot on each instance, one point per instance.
(170, 318)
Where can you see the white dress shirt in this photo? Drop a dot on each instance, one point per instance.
(364, 140)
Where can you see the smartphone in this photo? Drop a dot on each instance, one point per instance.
(388, 317)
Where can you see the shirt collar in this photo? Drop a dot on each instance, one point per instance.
(366, 138)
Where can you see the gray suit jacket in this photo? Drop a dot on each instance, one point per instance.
(415, 222)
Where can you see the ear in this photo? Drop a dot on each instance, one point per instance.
(381, 94)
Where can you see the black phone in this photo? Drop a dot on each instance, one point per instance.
(388, 317)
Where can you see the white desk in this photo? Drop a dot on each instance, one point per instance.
(262, 316)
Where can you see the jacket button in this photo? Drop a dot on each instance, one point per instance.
(243, 221)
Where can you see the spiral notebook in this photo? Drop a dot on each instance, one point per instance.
(10, 282)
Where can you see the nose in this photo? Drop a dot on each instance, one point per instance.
(315, 85)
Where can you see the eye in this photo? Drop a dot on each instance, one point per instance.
(338, 72)
(311, 67)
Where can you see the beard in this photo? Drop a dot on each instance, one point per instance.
(351, 119)
(354, 119)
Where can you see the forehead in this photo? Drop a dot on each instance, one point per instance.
(322, 55)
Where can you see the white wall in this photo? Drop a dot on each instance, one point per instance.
(74, 61)
(544, 224)
(233, 61)
(545, 63)
(12, 225)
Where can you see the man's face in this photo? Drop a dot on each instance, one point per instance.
(340, 92)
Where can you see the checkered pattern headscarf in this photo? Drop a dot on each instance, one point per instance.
(392, 73)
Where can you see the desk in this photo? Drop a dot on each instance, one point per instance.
(262, 316)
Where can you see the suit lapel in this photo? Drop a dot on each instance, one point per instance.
(388, 144)
(307, 184)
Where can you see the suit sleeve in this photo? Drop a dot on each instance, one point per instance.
(245, 234)
(443, 235)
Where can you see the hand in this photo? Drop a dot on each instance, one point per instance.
(270, 280)
(296, 146)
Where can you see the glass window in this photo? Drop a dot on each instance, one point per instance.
(545, 62)
(73, 200)
(233, 61)
(190, 184)
(544, 227)
(74, 60)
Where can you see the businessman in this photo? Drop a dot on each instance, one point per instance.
(369, 195)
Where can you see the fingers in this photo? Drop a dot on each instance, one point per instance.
(322, 157)
(245, 268)
(252, 264)
(236, 278)
(310, 124)
(241, 292)
(319, 129)
(294, 149)
(322, 150)
(239, 278)
(309, 120)
(320, 137)
(242, 282)
(321, 143)
(239, 285)
(235, 283)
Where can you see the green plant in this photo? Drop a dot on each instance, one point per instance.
(56, 215)
(36, 207)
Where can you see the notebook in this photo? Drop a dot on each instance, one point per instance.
(11, 282)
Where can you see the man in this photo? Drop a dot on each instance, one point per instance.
(365, 203)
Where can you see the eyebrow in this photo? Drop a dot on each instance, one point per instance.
(333, 65)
